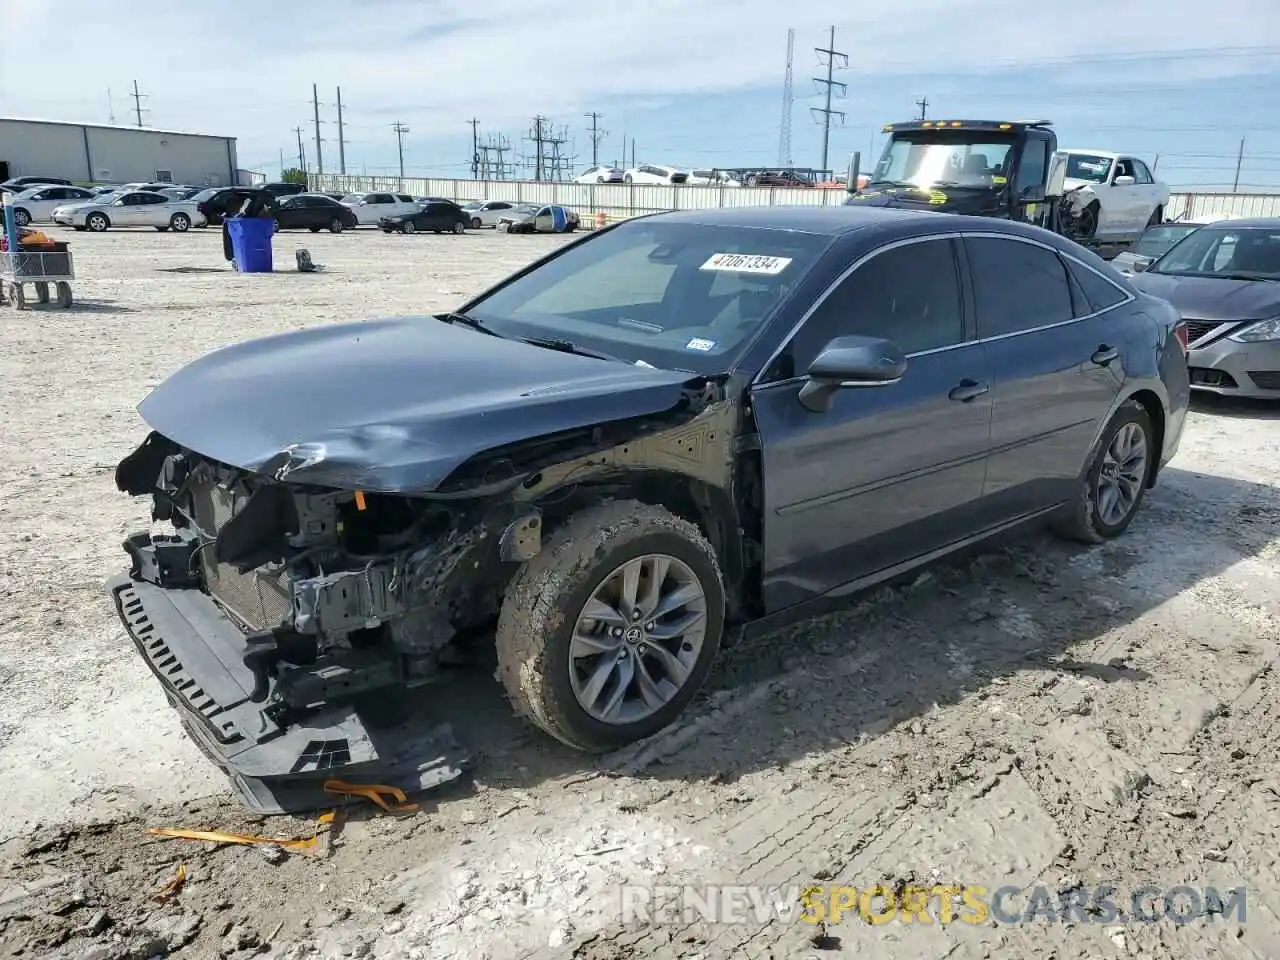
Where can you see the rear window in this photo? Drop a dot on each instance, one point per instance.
(675, 295)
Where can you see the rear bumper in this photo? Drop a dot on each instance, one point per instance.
(195, 651)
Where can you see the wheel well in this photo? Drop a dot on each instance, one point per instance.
(18, 210)
(98, 213)
(709, 508)
(1155, 411)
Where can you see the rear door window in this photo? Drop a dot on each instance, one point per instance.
(1017, 286)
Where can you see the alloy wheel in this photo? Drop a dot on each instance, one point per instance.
(637, 639)
(1121, 474)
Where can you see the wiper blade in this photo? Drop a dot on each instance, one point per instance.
(1246, 276)
(469, 321)
(568, 346)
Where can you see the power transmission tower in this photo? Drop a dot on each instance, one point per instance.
(137, 103)
(500, 148)
(923, 104)
(475, 148)
(834, 60)
(596, 136)
(788, 104)
(559, 162)
(315, 107)
(302, 153)
(400, 130)
(342, 139)
(538, 137)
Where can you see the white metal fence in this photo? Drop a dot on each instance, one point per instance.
(620, 200)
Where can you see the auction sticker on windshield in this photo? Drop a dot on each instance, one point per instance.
(746, 263)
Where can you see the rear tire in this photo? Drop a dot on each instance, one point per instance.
(459, 227)
(539, 662)
(335, 225)
(314, 229)
(1092, 517)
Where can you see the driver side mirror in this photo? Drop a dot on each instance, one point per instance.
(1140, 266)
(1124, 181)
(848, 362)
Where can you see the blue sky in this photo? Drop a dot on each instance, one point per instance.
(694, 82)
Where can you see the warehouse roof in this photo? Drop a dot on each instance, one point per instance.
(112, 126)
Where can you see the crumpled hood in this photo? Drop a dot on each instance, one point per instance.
(1212, 298)
(390, 405)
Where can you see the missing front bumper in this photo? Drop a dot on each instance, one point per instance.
(196, 653)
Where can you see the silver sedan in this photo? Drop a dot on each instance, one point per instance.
(134, 208)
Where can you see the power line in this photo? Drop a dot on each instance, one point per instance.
(137, 103)
(400, 130)
(832, 55)
(788, 103)
(315, 106)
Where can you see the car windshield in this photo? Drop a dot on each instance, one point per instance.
(1156, 240)
(681, 296)
(473, 205)
(944, 160)
(106, 197)
(353, 198)
(1241, 253)
(1087, 166)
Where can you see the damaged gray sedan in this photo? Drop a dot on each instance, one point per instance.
(676, 426)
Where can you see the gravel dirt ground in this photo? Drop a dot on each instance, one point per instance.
(1035, 715)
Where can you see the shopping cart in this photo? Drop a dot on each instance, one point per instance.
(41, 269)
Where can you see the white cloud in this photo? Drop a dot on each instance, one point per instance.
(246, 70)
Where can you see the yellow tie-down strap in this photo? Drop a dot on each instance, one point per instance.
(390, 799)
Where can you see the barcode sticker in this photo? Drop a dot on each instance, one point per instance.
(746, 263)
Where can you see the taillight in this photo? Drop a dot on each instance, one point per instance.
(1180, 331)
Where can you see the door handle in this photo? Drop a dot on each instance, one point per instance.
(968, 390)
(1104, 355)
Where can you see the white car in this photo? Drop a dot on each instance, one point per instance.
(130, 208)
(652, 173)
(601, 175)
(38, 203)
(1114, 195)
(369, 208)
(711, 178)
(487, 213)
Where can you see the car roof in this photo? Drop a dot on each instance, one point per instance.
(1263, 223)
(1095, 153)
(829, 221)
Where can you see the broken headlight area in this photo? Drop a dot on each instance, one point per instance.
(338, 594)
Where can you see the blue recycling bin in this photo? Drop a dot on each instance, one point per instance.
(251, 243)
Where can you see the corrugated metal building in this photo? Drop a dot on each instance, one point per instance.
(101, 153)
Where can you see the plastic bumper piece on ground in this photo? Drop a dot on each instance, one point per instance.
(194, 650)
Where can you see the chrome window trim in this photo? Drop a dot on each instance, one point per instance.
(966, 234)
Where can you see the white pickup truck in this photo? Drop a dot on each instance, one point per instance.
(1114, 195)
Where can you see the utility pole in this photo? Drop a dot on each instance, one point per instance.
(137, 102)
(315, 106)
(400, 130)
(302, 154)
(539, 140)
(475, 148)
(1235, 188)
(342, 139)
(633, 153)
(111, 108)
(923, 104)
(833, 55)
(282, 163)
(596, 136)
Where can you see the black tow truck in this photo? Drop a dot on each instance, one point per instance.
(1011, 169)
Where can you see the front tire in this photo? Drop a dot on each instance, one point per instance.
(606, 635)
(21, 217)
(475, 223)
(1115, 479)
(1157, 217)
(97, 222)
(180, 222)
(408, 227)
